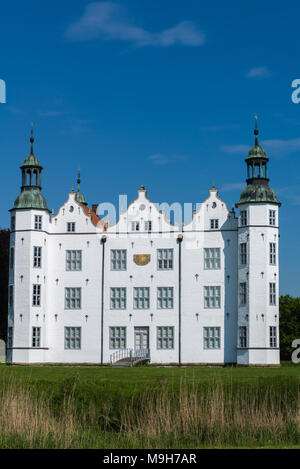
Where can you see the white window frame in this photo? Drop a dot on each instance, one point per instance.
(212, 297)
(243, 293)
(73, 260)
(38, 222)
(141, 297)
(212, 338)
(272, 217)
(243, 218)
(118, 297)
(71, 226)
(36, 337)
(214, 223)
(165, 297)
(212, 258)
(117, 337)
(36, 294)
(165, 338)
(72, 297)
(148, 225)
(273, 336)
(37, 256)
(165, 259)
(135, 226)
(272, 294)
(72, 338)
(118, 259)
(243, 254)
(243, 336)
(272, 253)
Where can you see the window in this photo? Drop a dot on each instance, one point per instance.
(141, 298)
(12, 257)
(272, 253)
(212, 259)
(165, 297)
(148, 225)
(36, 337)
(273, 336)
(71, 227)
(243, 253)
(214, 224)
(164, 259)
(212, 297)
(117, 338)
(72, 338)
(37, 256)
(72, 298)
(10, 337)
(118, 298)
(13, 223)
(36, 295)
(165, 338)
(272, 293)
(212, 337)
(118, 259)
(272, 217)
(243, 293)
(243, 217)
(73, 260)
(38, 222)
(243, 336)
(135, 226)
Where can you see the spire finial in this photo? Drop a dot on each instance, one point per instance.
(31, 139)
(78, 179)
(256, 129)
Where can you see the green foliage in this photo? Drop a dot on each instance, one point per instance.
(289, 322)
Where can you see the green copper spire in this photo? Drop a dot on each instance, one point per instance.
(258, 189)
(31, 196)
(79, 197)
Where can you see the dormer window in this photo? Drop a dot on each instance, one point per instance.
(135, 226)
(214, 224)
(71, 227)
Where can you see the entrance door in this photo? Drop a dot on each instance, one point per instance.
(141, 341)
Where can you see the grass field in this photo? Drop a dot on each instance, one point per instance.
(149, 407)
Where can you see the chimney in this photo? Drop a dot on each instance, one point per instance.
(94, 208)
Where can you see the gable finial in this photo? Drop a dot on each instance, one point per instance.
(256, 129)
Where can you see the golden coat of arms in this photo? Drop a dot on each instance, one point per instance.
(141, 259)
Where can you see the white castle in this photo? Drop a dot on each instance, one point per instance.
(84, 292)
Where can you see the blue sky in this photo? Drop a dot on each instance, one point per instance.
(155, 92)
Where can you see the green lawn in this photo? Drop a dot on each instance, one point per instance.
(151, 407)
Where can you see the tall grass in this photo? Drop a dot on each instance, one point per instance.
(214, 414)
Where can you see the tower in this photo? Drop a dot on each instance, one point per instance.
(258, 279)
(28, 266)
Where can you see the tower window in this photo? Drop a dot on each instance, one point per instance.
(38, 222)
(243, 337)
(212, 259)
(243, 293)
(37, 256)
(272, 254)
(243, 217)
(12, 257)
(71, 227)
(36, 337)
(36, 295)
(272, 293)
(13, 223)
(272, 217)
(11, 296)
(243, 253)
(10, 337)
(214, 224)
(273, 336)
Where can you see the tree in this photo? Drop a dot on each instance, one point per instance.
(289, 317)
(4, 263)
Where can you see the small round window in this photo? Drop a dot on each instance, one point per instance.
(71, 208)
(214, 205)
(142, 207)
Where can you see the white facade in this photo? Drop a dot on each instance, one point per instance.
(175, 294)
